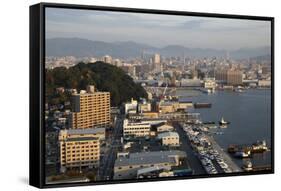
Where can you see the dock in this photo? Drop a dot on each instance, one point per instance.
(234, 167)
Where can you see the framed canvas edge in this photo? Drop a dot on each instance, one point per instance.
(38, 168)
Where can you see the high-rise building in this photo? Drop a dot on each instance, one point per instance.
(90, 109)
(79, 148)
(234, 77)
(231, 77)
(157, 62)
(156, 59)
(221, 75)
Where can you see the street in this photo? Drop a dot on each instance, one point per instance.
(192, 159)
(107, 164)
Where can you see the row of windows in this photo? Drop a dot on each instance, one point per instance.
(79, 163)
(93, 121)
(136, 132)
(77, 156)
(136, 128)
(102, 104)
(170, 138)
(74, 145)
(82, 145)
(92, 117)
(82, 151)
(141, 166)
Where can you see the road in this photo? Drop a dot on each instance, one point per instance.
(107, 165)
(194, 162)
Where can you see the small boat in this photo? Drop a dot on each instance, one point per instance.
(259, 147)
(209, 123)
(247, 166)
(223, 126)
(223, 122)
(219, 133)
(242, 154)
(202, 105)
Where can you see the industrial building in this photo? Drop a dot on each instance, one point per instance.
(128, 167)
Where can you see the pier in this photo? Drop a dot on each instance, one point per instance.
(213, 157)
(234, 167)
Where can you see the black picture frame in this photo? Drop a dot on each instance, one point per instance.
(37, 91)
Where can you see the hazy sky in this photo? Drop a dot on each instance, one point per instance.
(157, 30)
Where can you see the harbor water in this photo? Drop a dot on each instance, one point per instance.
(248, 112)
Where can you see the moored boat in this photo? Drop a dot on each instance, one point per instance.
(223, 122)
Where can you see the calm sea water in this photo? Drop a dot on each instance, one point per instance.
(249, 114)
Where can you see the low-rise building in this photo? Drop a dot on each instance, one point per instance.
(169, 138)
(154, 172)
(264, 83)
(164, 128)
(210, 83)
(144, 107)
(150, 115)
(135, 129)
(190, 82)
(173, 106)
(128, 167)
(80, 147)
(131, 107)
(79, 152)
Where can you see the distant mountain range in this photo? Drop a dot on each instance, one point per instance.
(85, 48)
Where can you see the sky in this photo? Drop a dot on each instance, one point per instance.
(157, 30)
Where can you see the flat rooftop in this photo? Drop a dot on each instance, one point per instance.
(85, 131)
(168, 134)
(82, 139)
(153, 157)
(158, 154)
(143, 160)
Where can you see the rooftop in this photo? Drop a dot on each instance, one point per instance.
(152, 157)
(152, 169)
(168, 134)
(143, 160)
(81, 139)
(85, 131)
(158, 154)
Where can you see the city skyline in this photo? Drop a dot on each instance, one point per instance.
(158, 30)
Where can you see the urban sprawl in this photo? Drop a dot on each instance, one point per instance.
(87, 139)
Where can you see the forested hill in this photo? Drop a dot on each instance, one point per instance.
(104, 76)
